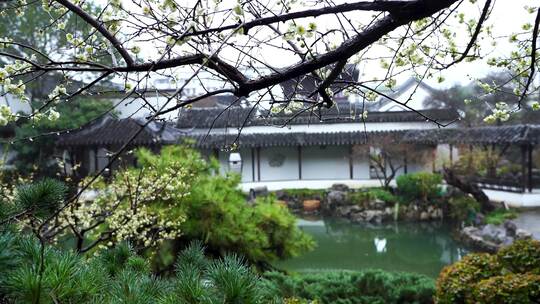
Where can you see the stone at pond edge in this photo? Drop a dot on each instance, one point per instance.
(472, 237)
(347, 211)
(491, 238)
(334, 199)
(522, 234)
(371, 216)
(377, 204)
(493, 233)
(258, 191)
(340, 187)
(510, 228)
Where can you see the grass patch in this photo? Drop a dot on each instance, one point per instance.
(304, 193)
(498, 216)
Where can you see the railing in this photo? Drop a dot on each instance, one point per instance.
(503, 184)
(511, 184)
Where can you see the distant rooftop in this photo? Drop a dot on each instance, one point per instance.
(340, 113)
(111, 131)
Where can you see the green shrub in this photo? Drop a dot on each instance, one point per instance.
(419, 186)
(191, 201)
(384, 195)
(510, 288)
(305, 193)
(370, 286)
(364, 196)
(455, 281)
(510, 276)
(463, 208)
(361, 197)
(499, 216)
(522, 257)
(217, 213)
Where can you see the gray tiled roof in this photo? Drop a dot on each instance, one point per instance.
(343, 112)
(110, 131)
(506, 134)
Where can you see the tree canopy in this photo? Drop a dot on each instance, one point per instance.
(247, 48)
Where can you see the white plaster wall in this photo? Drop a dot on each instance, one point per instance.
(397, 162)
(421, 159)
(521, 200)
(325, 162)
(247, 169)
(360, 162)
(443, 155)
(287, 171)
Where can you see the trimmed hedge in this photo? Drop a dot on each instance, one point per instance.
(304, 193)
(510, 288)
(384, 195)
(522, 257)
(370, 286)
(364, 196)
(510, 276)
(421, 186)
(455, 281)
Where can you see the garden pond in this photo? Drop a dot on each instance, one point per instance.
(409, 247)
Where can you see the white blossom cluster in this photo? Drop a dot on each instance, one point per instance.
(299, 32)
(501, 112)
(140, 205)
(8, 86)
(288, 108)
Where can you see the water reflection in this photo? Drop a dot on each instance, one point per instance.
(413, 247)
(380, 244)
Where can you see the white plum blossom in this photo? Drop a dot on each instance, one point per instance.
(53, 115)
(134, 216)
(5, 115)
(501, 112)
(57, 92)
(364, 115)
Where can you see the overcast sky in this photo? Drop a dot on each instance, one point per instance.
(507, 17)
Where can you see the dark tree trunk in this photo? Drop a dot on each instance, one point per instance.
(466, 185)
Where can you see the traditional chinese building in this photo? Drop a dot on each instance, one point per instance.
(321, 147)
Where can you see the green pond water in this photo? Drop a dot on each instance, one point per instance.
(411, 247)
